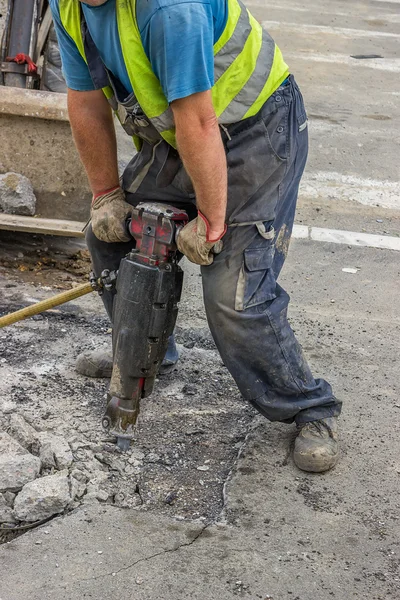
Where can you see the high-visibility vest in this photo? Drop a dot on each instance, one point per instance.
(248, 65)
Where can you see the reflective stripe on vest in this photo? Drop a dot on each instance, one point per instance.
(248, 66)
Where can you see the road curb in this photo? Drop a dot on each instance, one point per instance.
(351, 238)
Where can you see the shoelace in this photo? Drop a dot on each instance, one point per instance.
(320, 426)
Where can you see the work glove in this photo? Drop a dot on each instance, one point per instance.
(194, 242)
(109, 214)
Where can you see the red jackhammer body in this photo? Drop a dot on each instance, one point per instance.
(149, 286)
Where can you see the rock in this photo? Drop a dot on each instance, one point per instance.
(46, 456)
(78, 488)
(79, 475)
(189, 390)
(9, 497)
(136, 457)
(6, 513)
(16, 471)
(57, 445)
(114, 463)
(102, 495)
(43, 498)
(130, 470)
(16, 195)
(95, 485)
(126, 500)
(152, 457)
(170, 498)
(9, 445)
(22, 431)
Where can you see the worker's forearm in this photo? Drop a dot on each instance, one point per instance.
(94, 136)
(202, 151)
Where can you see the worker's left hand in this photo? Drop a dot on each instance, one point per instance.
(109, 214)
(196, 244)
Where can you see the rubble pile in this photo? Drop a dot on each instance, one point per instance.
(42, 474)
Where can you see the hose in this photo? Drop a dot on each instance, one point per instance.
(39, 307)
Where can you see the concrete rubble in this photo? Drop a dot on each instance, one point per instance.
(22, 431)
(43, 498)
(43, 474)
(6, 512)
(16, 471)
(35, 483)
(16, 195)
(55, 450)
(8, 445)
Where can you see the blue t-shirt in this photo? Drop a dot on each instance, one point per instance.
(177, 35)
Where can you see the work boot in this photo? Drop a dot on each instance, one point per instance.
(317, 447)
(99, 363)
(95, 363)
(171, 357)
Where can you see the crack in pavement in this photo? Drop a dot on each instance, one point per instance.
(148, 558)
(253, 425)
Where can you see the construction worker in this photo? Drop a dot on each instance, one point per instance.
(221, 131)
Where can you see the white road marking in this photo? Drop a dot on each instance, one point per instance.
(320, 126)
(351, 238)
(301, 232)
(382, 64)
(310, 29)
(354, 238)
(370, 192)
(388, 17)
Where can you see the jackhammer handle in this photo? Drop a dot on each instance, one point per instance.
(39, 307)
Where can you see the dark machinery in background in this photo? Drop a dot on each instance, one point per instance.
(30, 57)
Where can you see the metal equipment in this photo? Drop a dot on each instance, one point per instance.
(149, 286)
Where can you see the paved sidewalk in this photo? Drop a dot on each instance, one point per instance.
(282, 534)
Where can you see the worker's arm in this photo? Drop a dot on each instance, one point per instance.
(94, 134)
(202, 151)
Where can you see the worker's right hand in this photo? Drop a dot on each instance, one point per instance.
(195, 243)
(109, 214)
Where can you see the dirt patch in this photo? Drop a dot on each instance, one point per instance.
(46, 261)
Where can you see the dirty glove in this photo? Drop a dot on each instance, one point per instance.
(193, 241)
(109, 214)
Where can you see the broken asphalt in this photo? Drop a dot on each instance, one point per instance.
(279, 533)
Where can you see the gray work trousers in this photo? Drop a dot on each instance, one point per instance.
(246, 307)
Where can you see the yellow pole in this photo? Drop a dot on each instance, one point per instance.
(35, 309)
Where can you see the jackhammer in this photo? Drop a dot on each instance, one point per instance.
(148, 287)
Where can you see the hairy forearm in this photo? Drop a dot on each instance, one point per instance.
(202, 152)
(94, 135)
(203, 156)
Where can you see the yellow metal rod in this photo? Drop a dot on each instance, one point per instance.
(35, 309)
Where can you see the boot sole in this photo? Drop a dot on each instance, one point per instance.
(315, 465)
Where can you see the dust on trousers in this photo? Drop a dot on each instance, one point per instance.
(246, 307)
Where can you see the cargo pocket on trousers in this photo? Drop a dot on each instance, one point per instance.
(256, 283)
